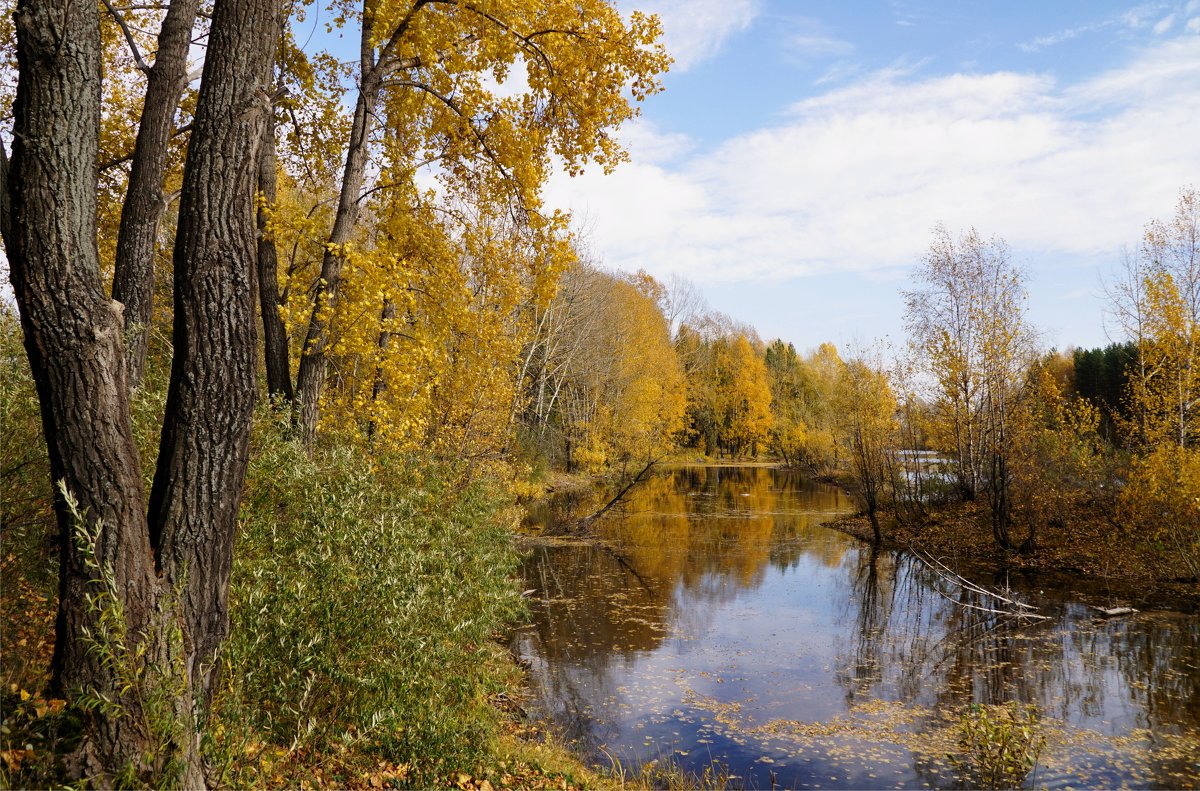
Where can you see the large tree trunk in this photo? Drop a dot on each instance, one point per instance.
(275, 340)
(116, 635)
(73, 337)
(206, 429)
(133, 277)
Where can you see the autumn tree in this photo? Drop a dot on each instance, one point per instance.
(1165, 394)
(603, 373)
(1162, 497)
(864, 409)
(143, 591)
(788, 397)
(1058, 458)
(430, 68)
(968, 322)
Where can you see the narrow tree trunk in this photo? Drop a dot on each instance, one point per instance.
(310, 380)
(385, 341)
(206, 428)
(73, 337)
(5, 207)
(275, 340)
(133, 277)
(874, 517)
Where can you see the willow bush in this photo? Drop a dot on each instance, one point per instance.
(366, 598)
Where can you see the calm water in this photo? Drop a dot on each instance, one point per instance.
(724, 623)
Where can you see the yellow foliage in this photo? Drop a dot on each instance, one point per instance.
(1162, 503)
(624, 389)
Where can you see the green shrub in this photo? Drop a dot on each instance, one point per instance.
(366, 598)
(998, 745)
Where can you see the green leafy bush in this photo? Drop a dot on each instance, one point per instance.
(366, 598)
(998, 745)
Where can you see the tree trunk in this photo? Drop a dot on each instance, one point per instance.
(108, 642)
(206, 428)
(310, 380)
(133, 276)
(385, 340)
(275, 340)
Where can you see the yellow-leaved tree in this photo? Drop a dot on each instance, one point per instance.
(864, 414)
(967, 324)
(1162, 498)
(603, 381)
(745, 399)
(485, 96)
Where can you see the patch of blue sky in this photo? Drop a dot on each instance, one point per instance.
(802, 151)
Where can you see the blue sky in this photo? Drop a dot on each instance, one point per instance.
(802, 151)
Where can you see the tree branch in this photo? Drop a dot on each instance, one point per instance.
(133, 47)
(108, 164)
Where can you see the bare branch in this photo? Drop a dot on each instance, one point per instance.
(133, 47)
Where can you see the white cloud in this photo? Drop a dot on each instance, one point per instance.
(1137, 18)
(812, 39)
(1041, 42)
(695, 30)
(1140, 16)
(853, 180)
(1193, 25)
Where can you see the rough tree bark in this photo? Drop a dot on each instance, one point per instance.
(73, 337)
(206, 429)
(275, 339)
(133, 275)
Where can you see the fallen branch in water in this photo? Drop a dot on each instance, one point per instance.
(1022, 610)
(1109, 612)
(583, 524)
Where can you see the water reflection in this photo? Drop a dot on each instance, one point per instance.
(724, 622)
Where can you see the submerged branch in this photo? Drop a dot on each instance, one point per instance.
(618, 498)
(1020, 609)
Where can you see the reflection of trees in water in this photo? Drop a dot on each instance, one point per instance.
(1161, 665)
(904, 640)
(703, 533)
(907, 640)
(717, 530)
(687, 539)
(872, 599)
(588, 614)
(585, 603)
(697, 537)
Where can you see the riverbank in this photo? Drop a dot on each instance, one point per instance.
(369, 612)
(1081, 544)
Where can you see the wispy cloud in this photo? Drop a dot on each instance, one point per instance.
(1042, 42)
(1136, 18)
(696, 30)
(812, 39)
(852, 180)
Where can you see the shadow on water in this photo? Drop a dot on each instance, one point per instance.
(741, 630)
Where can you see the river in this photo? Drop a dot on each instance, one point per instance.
(724, 623)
